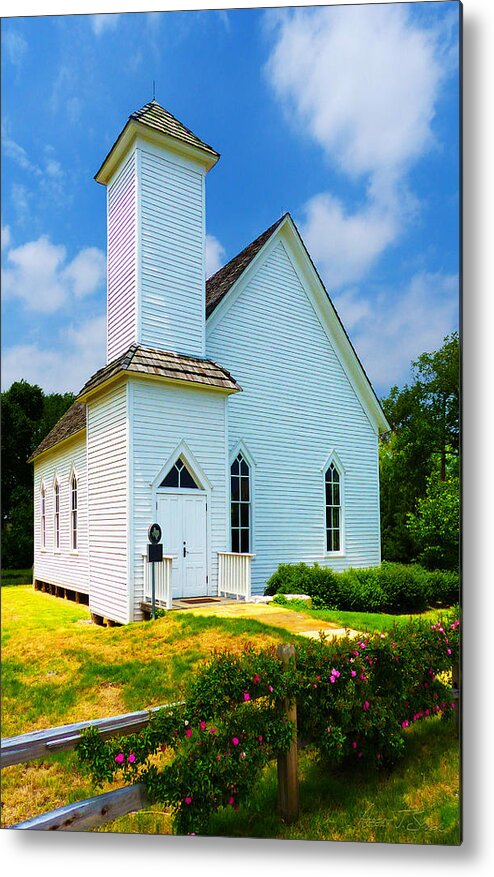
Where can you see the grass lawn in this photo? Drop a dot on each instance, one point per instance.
(58, 667)
(368, 622)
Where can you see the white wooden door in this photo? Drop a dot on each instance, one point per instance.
(183, 521)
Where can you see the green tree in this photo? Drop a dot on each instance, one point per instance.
(435, 524)
(423, 440)
(27, 416)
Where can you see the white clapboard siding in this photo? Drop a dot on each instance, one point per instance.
(163, 416)
(107, 464)
(66, 568)
(297, 405)
(171, 254)
(122, 274)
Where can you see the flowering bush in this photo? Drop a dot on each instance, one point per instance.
(355, 698)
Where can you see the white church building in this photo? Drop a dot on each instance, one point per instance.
(234, 412)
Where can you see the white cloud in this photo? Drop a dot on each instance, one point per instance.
(21, 198)
(362, 81)
(346, 245)
(104, 22)
(6, 237)
(64, 367)
(394, 328)
(215, 255)
(38, 274)
(14, 46)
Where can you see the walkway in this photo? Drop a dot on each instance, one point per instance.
(295, 622)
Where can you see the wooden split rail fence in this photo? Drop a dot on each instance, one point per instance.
(104, 808)
(100, 809)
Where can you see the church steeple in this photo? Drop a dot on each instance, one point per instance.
(155, 179)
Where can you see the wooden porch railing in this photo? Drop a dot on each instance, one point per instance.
(162, 581)
(234, 575)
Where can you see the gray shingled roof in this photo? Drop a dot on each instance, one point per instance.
(143, 361)
(164, 364)
(155, 116)
(220, 283)
(74, 420)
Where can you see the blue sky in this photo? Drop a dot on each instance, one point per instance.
(345, 116)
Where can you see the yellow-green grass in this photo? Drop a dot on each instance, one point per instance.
(58, 667)
(362, 621)
(417, 803)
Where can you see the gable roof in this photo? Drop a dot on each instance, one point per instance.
(222, 281)
(72, 422)
(164, 364)
(155, 116)
(220, 284)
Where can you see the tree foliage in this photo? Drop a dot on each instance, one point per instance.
(421, 449)
(27, 416)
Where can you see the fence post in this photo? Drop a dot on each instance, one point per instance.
(455, 692)
(288, 789)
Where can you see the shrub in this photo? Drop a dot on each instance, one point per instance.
(391, 587)
(354, 700)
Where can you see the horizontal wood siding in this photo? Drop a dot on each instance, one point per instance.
(66, 568)
(163, 416)
(107, 455)
(172, 255)
(122, 276)
(296, 406)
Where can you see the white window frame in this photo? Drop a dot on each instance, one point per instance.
(74, 513)
(42, 535)
(56, 516)
(333, 460)
(241, 449)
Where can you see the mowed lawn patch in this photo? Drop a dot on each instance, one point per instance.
(58, 667)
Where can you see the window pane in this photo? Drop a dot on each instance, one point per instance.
(336, 540)
(170, 480)
(235, 470)
(336, 519)
(244, 515)
(336, 494)
(329, 493)
(244, 489)
(186, 479)
(244, 469)
(235, 514)
(235, 488)
(235, 541)
(244, 540)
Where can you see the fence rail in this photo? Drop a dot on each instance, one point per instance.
(162, 581)
(234, 575)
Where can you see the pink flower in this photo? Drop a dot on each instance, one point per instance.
(365, 706)
(360, 754)
(448, 651)
(188, 800)
(131, 758)
(256, 679)
(332, 679)
(242, 755)
(188, 732)
(119, 758)
(231, 800)
(246, 695)
(353, 672)
(202, 726)
(271, 688)
(260, 738)
(354, 744)
(363, 676)
(212, 730)
(235, 741)
(404, 724)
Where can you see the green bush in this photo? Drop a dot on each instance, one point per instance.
(355, 698)
(391, 587)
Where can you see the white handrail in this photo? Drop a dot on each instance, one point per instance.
(162, 581)
(234, 574)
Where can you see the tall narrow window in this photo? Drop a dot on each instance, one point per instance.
(240, 505)
(43, 517)
(73, 513)
(56, 517)
(333, 509)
